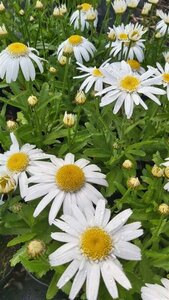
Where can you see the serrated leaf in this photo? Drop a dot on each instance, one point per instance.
(21, 239)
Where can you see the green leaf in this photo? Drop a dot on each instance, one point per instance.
(38, 266)
(21, 239)
(52, 289)
(16, 258)
(97, 152)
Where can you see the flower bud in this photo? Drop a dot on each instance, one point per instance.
(11, 125)
(158, 35)
(32, 100)
(7, 184)
(67, 50)
(119, 6)
(80, 97)
(31, 18)
(36, 248)
(157, 171)
(166, 56)
(21, 12)
(3, 30)
(166, 172)
(15, 208)
(91, 15)
(62, 60)
(63, 9)
(2, 7)
(69, 119)
(133, 182)
(39, 4)
(132, 3)
(111, 34)
(146, 8)
(127, 164)
(52, 70)
(163, 209)
(57, 12)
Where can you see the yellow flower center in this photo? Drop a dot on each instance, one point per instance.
(95, 243)
(17, 49)
(166, 77)
(97, 73)
(70, 178)
(75, 40)
(18, 162)
(85, 6)
(122, 36)
(129, 83)
(134, 64)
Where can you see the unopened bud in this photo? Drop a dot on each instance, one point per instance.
(157, 171)
(153, 1)
(69, 119)
(21, 12)
(36, 248)
(163, 209)
(39, 4)
(67, 50)
(127, 164)
(52, 70)
(15, 208)
(31, 18)
(32, 100)
(7, 184)
(133, 182)
(3, 30)
(166, 172)
(80, 97)
(11, 125)
(63, 60)
(2, 7)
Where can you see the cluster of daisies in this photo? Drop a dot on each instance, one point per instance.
(93, 241)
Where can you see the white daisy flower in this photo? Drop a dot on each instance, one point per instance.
(95, 77)
(163, 25)
(163, 74)
(93, 243)
(126, 87)
(156, 291)
(65, 181)
(80, 16)
(135, 31)
(119, 6)
(15, 56)
(81, 48)
(18, 160)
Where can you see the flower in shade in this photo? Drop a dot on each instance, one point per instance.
(16, 56)
(79, 18)
(163, 25)
(18, 160)
(94, 77)
(127, 87)
(81, 48)
(156, 291)
(93, 243)
(65, 181)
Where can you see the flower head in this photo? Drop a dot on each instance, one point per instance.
(156, 291)
(119, 6)
(163, 25)
(39, 4)
(7, 183)
(93, 244)
(94, 77)
(132, 3)
(81, 17)
(146, 8)
(127, 87)
(166, 56)
(66, 182)
(69, 119)
(81, 48)
(35, 248)
(163, 74)
(32, 100)
(15, 56)
(18, 160)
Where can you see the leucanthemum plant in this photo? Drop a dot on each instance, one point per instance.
(64, 67)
